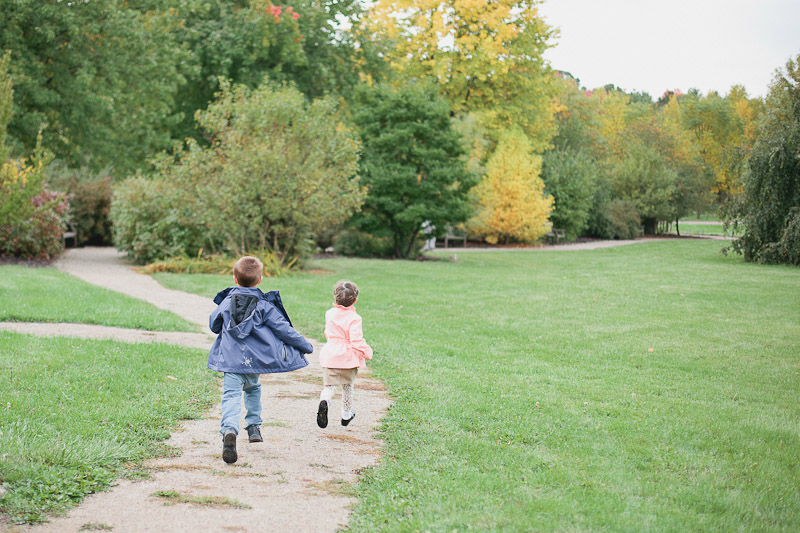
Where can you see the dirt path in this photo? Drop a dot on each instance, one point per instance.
(298, 479)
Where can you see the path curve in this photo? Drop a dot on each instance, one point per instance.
(299, 479)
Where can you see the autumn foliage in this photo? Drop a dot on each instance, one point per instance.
(512, 204)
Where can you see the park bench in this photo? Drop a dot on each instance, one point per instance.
(556, 235)
(455, 235)
(71, 234)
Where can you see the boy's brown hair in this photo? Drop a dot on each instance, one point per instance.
(345, 293)
(248, 271)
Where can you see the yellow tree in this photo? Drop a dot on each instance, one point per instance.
(485, 56)
(512, 204)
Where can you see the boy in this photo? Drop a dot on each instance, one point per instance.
(255, 336)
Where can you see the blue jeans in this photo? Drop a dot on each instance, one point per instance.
(232, 387)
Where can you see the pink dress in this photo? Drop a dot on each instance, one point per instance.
(346, 347)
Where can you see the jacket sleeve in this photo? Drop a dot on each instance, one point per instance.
(215, 320)
(357, 342)
(283, 330)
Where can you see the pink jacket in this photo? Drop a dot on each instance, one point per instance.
(346, 347)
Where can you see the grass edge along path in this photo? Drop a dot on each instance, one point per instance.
(77, 414)
(30, 294)
(647, 387)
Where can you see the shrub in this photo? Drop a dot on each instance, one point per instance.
(154, 219)
(356, 243)
(278, 170)
(90, 203)
(32, 217)
(274, 265)
(616, 219)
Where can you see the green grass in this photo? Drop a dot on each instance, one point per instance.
(47, 295)
(76, 414)
(527, 396)
(700, 229)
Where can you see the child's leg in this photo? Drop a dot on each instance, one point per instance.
(347, 401)
(252, 399)
(231, 403)
(328, 392)
(324, 397)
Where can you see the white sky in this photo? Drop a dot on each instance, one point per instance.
(652, 46)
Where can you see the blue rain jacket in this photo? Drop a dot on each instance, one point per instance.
(254, 334)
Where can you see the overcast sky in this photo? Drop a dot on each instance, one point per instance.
(652, 46)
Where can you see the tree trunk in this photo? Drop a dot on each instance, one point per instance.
(677, 229)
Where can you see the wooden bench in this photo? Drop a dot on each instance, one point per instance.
(453, 235)
(71, 234)
(556, 235)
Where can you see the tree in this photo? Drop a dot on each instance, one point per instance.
(98, 79)
(645, 179)
(485, 56)
(569, 176)
(411, 162)
(769, 208)
(6, 103)
(512, 204)
(277, 169)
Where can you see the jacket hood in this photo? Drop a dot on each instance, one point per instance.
(243, 305)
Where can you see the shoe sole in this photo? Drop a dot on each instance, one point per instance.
(257, 439)
(229, 448)
(322, 414)
(346, 422)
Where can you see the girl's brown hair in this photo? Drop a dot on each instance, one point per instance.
(345, 293)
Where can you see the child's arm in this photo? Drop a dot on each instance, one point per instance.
(357, 342)
(215, 320)
(283, 330)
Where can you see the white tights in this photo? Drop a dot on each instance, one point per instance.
(347, 398)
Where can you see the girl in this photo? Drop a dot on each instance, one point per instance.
(344, 353)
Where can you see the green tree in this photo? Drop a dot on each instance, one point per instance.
(6, 104)
(412, 163)
(647, 181)
(277, 170)
(97, 78)
(569, 176)
(770, 205)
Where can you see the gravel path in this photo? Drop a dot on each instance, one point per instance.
(299, 479)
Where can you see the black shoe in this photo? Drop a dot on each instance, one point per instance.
(345, 422)
(229, 447)
(322, 414)
(254, 432)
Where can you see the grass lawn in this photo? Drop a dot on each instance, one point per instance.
(645, 387)
(47, 295)
(700, 229)
(76, 414)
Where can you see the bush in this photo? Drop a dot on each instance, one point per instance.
(616, 219)
(32, 218)
(356, 243)
(278, 170)
(274, 265)
(90, 202)
(154, 219)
